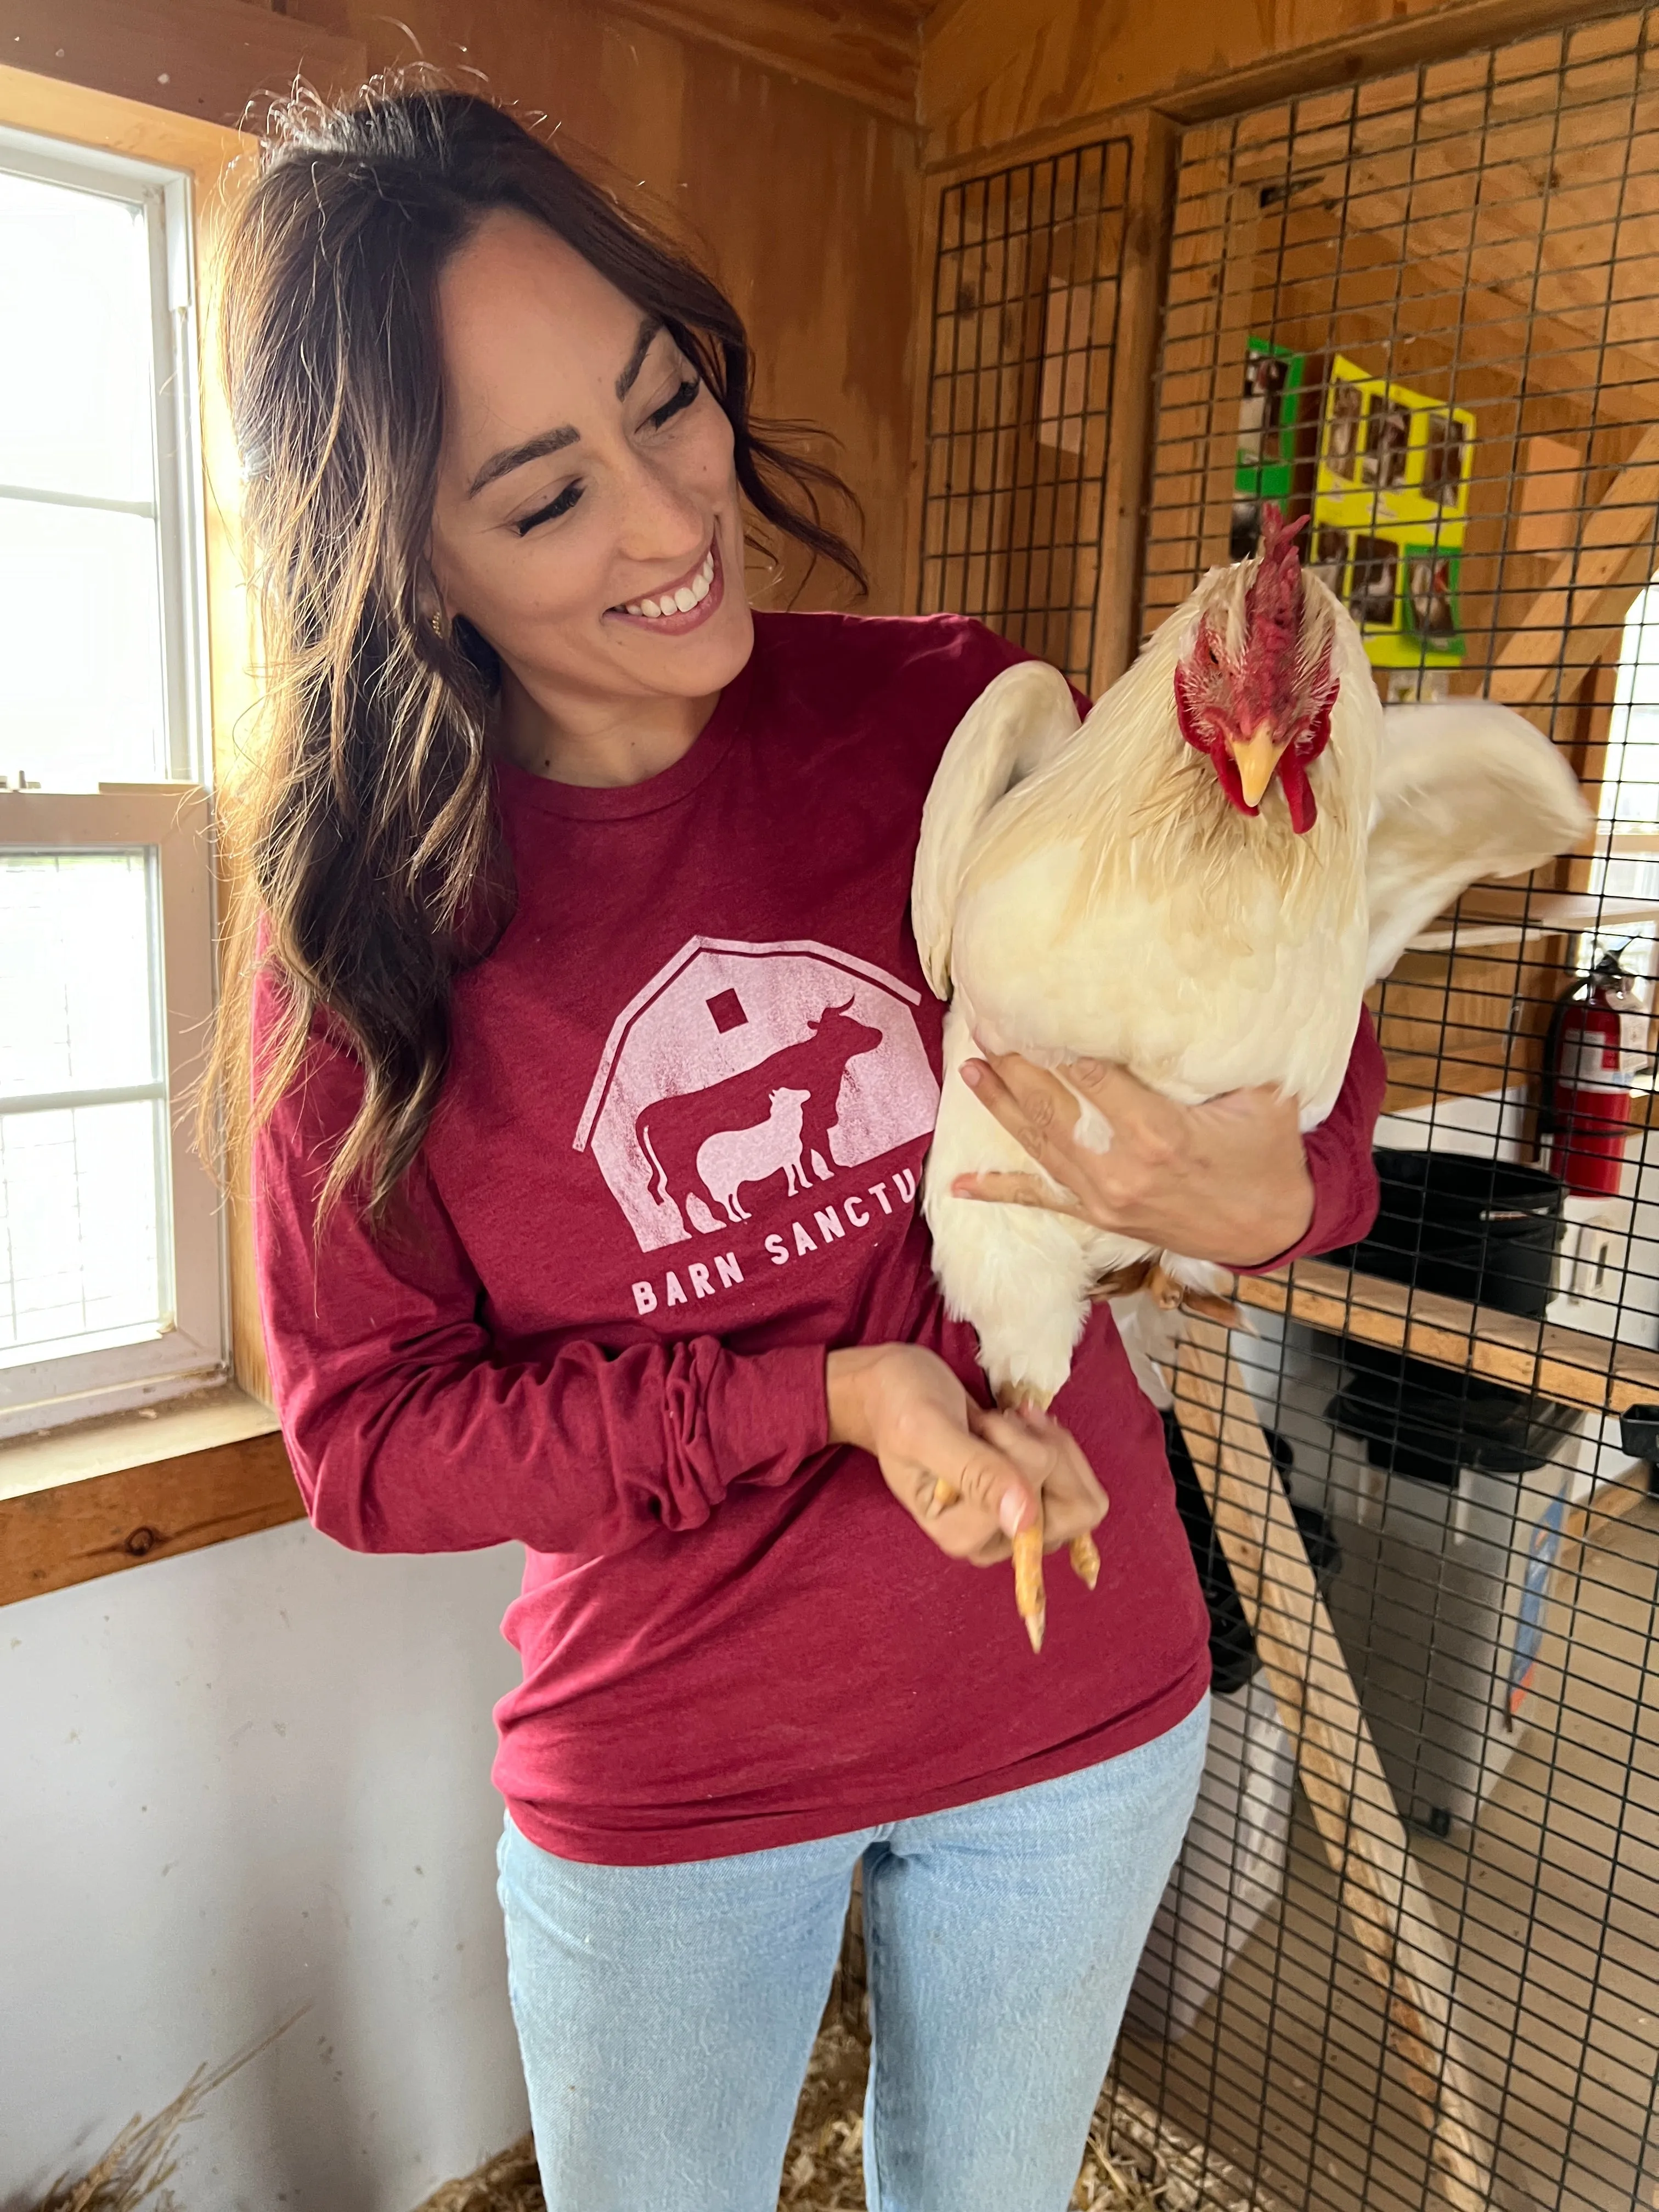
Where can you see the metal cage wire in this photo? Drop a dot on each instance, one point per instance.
(1408, 1956)
(1027, 278)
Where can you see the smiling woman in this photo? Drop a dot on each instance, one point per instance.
(407, 457)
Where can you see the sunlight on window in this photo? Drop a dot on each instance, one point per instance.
(82, 1110)
(82, 692)
(111, 1290)
(83, 1129)
(81, 696)
(1630, 783)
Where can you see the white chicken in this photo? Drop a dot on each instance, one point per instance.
(1197, 882)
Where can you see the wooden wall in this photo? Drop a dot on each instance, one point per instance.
(994, 75)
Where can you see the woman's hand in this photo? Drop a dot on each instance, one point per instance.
(1225, 1181)
(903, 1404)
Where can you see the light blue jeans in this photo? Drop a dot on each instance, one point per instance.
(667, 2014)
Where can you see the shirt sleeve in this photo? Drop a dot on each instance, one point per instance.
(1339, 1154)
(409, 1433)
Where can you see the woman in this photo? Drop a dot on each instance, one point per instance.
(595, 1074)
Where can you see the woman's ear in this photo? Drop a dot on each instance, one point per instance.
(430, 612)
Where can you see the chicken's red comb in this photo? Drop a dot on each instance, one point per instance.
(1272, 604)
(1281, 556)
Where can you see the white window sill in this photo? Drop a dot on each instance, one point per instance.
(223, 1415)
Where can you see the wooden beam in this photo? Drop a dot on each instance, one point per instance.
(214, 59)
(1380, 1891)
(997, 75)
(973, 43)
(49, 1539)
(1129, 429)
(925, 337)
(1566, 1364)
(1577, 617)
(869, 51)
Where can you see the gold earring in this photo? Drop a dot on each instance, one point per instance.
(440, 628)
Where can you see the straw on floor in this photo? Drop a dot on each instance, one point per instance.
(133, 2174)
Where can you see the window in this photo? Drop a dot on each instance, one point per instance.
(111, 1272)
(1630, 781)
(1626, 865)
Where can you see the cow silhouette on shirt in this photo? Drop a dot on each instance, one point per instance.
(672, 1132)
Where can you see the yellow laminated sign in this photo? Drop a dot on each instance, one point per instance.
(1391, 503)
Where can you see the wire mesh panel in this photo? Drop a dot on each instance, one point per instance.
(1411, 1954)
(1026, 284)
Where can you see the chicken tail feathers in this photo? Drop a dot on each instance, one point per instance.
(1021, 717)
(1465, 790)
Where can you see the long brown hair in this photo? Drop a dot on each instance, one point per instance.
(361, 830)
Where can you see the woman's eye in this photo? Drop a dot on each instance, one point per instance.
(682, 399)
(562, 505)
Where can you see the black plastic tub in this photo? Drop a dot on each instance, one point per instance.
(1430, 1422)
(1482, 1230)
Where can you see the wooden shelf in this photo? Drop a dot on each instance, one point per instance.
(1566, 1364)
(1621, 845)
(1494, 915)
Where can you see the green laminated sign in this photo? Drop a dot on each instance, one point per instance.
(1264, 462)
(1268, 414)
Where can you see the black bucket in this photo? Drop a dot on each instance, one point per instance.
(1485, 1230)
(1428, 1422)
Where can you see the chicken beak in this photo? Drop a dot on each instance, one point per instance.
(1255, 757)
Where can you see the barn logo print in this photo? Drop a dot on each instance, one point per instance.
(745, 1074)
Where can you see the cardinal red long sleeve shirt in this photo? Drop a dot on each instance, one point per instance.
(676, 1160)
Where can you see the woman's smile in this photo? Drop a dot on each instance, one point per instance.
(685, 604)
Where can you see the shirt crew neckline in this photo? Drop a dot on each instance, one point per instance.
(622, 802)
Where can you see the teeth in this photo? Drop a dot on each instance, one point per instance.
(680, 602)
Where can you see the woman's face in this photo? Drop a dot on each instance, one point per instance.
(586, 479)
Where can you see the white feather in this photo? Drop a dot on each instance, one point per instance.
(1465, 789)
(1020, 718)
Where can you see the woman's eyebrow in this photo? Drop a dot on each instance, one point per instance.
(514, 456)
(552, 442)
(644, 339)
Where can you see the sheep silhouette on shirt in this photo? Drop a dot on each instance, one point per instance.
(675, 1134)
(732, 1157)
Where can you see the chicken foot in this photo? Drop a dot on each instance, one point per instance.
(1166, 1291)
(1030, 1601)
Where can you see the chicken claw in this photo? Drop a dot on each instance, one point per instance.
(1031, 1599)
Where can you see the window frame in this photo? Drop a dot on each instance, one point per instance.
(168, 818)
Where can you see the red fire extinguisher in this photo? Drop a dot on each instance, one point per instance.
(1585, 1114)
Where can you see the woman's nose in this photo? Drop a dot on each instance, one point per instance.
(663, 518)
